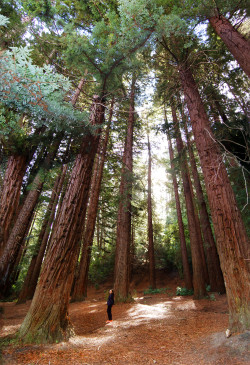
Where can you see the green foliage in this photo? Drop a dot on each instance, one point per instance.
(3, 20)
(36, 91)
(101, 266)
(184, 291)
(155, 291)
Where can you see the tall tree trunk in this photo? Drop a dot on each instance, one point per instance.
(121, 279)
(30, 282)
(80, 286)
(230, 233)
(17, 234)
(234, 41)
(197, 262)
(10, 195)
(151, 254)
(186, 270)
(214, 271)
(47, 319)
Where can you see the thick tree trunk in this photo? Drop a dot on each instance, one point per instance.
(47, 319)
(235, 42)
(80, 286)
(214, 271)
(186, 270)
(151, 253)
(199, 280)
(10, 195)
(7, 260)
(230, 233)
(32, 276)
(121, 282)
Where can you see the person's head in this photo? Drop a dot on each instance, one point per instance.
(111, 291)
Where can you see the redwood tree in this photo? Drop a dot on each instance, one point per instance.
(11, 250)
(80, 286)
(121, 279)
(47, 319)
(237, 44)
(229, 229)
(216, 280)
(199, 278)
(30, 282)
(151, 254)
(186, 270)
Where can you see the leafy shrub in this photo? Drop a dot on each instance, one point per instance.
(184, 291)
(155, 291)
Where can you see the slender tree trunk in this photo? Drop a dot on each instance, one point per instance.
(214, 271)
(12, 279)
(80, 286)
(121, 282)
(151, 254)
(235, 42)
(32, 276)
(198, 264)
(186, 270)
(230, 233)
(47, 319)
(7, 260)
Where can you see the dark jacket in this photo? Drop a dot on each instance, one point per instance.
(110, 300)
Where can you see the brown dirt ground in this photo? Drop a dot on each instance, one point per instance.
(155, 329)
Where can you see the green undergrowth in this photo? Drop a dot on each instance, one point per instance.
(156, 291)
(184, 291)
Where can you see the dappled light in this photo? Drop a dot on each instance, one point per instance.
(124, 178)
(153, 329)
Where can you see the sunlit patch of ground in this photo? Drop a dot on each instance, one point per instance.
(157, 329)
(9, 330)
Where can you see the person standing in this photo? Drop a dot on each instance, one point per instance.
(110, 303)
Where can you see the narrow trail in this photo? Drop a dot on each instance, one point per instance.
(157, 329)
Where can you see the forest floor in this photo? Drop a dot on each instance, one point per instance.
(154, 329)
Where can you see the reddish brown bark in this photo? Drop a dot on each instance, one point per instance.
(10, 253)
(214, 271)
(230, 233)
(235, 42)
(151, 253)
(47, 319)
(199, 280)
(80, 286)
(10, 192)
(121, 282)
(10, 195)
(32, 276)
(186, 270)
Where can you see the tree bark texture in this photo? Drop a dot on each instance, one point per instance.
(234, 41)
(80, 287)
(186, 270)
(10, 195)
(151, 253)
(10, 192)
(213, 263)
(121, 279)
(47, 319)
(229, 229)
(195, 237)
(32, 275)
(10, 253)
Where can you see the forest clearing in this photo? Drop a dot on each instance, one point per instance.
(155, 329)
(125, 153)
